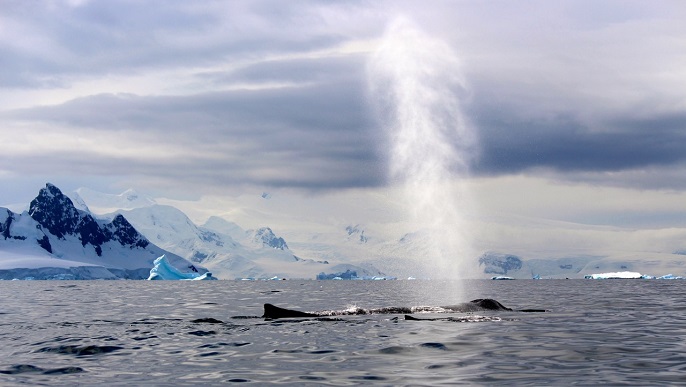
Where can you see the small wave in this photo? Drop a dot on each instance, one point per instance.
(220, 345)
(461, 319)
(28, 368)
(429, 309)
(356, 311)
(396, 350)
(434, 346)
(154, 320)
(367, 377)
(143, 338)
(75, 350)
(207, 320)
(202, 333)
(474, 318)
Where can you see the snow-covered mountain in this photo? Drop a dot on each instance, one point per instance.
(226, 249)
(284, 239)
(54, 238)
(500, 264)
(102, 203)
(368, 249)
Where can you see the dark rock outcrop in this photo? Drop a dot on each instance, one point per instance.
(56, 213)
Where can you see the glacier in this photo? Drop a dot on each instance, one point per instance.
(163, 270)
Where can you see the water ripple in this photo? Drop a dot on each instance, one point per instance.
(133, 333)
(88, 350)
(28, 368)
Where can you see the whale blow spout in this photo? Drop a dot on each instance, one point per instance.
(418, 88)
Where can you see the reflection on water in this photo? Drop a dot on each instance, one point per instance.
(128, 332)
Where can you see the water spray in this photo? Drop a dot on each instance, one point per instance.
(415, 81)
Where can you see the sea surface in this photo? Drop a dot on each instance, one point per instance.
(183, 333)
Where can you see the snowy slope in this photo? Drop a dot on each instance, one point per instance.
(53, 233)
(368, 233)
(223, 247)
(654, 264)
(103, 203)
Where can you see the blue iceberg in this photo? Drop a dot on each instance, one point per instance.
(163, 270)
(670, 276)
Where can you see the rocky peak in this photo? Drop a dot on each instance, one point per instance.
(495, 263)
(6, 223)
(266, 236)
(54, 211)
(356, 232)
(125, 233)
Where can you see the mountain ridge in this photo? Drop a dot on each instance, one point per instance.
(280, 241)
(68, 234)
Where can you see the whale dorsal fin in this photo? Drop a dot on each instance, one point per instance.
(272, 312)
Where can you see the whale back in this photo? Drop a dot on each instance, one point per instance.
(489, 304)
(480, 304)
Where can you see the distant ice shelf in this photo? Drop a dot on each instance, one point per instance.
(615, 275)
(629, 275)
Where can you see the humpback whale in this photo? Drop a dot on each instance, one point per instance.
(481, 304)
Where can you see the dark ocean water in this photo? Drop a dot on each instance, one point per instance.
(165, 333)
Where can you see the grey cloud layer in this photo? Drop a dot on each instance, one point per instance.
(48, 44)
(535, 100)
(511, 144)
(312, 137)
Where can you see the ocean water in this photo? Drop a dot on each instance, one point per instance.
(182, 333)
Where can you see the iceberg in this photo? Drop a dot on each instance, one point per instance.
(630, 275)
(670, 276)
(616, 275)
(163, 270)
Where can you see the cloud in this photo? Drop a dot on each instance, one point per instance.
(218, 94)
(316, 136)
(56, 44)
(512, 144)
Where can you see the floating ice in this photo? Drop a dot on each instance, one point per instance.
(670, 276)
(163, 270)
(630, 275)
(615, 275)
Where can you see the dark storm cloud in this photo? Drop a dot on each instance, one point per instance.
(512, 144)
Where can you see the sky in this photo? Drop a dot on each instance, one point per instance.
(577, 107)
